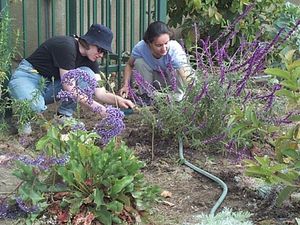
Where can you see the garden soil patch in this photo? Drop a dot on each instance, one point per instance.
(188, 193)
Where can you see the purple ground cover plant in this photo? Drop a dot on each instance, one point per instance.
(9, 210)
(108, 127)
(73, 78)
(26, 207)
(43, 162)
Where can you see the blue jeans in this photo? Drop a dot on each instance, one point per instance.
(27, 83)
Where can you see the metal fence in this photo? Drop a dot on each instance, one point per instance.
(39, 20)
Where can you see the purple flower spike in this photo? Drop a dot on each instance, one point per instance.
(270, 97)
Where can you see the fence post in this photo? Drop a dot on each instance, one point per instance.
(162, 10)
(72, 18)
(2, 4)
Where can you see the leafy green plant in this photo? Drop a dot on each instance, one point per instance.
(242, 125)
(7, 47)
(212, 16)
(8, 50)
(285, 168)
(287, 19)
(289, 78)
(76, 179)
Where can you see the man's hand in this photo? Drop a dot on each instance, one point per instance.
(125, 103)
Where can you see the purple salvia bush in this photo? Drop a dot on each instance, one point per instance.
(162, 74)
(135, 98)
(173, 78)
(270, 97)
(141, 82)
(233, 72)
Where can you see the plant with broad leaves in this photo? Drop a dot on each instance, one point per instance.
(289, 79)
(214, 16)
(74, 178)
(285, 168)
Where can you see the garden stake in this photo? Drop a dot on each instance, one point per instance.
(205, 173)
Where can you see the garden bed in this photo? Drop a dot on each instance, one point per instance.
(189, 193)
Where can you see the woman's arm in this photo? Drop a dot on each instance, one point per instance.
(126, 80)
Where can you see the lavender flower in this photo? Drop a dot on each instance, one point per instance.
(173, 73)
(162, 74)
(44, 162)
(270, 97)
(203, 93)
(75, 78)
(145, 85)
(3, 208)
(25, 206)
(214, 139)
(66, 96)
(132, 95)
(110, 126)
(286, 119)
(78, 126)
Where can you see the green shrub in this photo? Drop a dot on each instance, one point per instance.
(7, 47)
(104, 184)
(212, 16)
(284, 169)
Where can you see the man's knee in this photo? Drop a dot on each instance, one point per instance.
(88, 70)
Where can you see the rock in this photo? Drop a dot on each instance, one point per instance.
(295, 198)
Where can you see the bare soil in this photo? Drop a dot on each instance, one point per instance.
(190, 193)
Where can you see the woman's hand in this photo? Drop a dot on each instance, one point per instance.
(124, 91)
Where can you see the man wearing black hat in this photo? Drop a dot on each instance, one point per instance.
(55, 57)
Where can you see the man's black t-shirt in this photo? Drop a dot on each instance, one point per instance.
(59, 52)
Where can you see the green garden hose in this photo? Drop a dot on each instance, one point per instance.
(205, 173)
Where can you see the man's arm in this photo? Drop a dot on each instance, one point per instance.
(112, 99)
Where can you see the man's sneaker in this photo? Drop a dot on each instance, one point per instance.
(61, 119)
(25, 129)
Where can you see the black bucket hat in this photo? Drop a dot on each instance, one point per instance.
(99, 35)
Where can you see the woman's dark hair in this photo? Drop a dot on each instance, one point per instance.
(154, 30)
